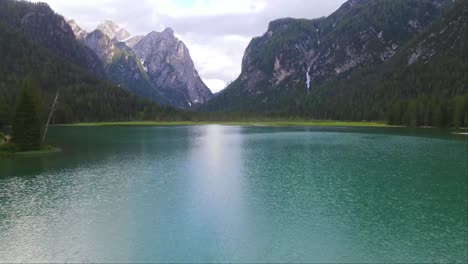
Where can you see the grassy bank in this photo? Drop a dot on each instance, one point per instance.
(247, 123)
(5, 153)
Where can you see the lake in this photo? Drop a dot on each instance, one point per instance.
(238, 194)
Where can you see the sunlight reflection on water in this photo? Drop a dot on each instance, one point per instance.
(236, 194)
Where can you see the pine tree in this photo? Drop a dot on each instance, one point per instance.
(3, 114)
(27, 125)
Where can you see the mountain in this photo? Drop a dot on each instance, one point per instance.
(422, 84)
(113, 30)
(299, 54)
(171, 70)
(82, 96)
(42, 26)
(425, 84)
(77, 30)
(132, 41)
(156, 66)
(121, 65)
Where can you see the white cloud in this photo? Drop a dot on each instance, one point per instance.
(215, 85)
(222, 62)
(215, 31)
(207, 7)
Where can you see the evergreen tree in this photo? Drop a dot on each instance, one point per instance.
(27, 125)
(459, 111)
(3, 115)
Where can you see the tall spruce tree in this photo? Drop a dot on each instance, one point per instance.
(27, 123)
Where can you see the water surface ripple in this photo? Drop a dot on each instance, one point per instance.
(238, 194)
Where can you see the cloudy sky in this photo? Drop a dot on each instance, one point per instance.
(215, 31)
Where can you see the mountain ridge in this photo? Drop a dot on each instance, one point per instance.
(162, 70)
(113, 30)
(171, 69)
(82, 96)
(121, 65)
(298, 54)
(43, 26)
(402, 61)
(422, 84)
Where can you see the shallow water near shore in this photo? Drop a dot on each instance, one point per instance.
(238, 194)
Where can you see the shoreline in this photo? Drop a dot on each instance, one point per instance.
(247, 123)
(40, 152)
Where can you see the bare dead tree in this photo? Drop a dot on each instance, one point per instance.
(50, 116)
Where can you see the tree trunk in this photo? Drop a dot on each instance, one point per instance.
(50, 116)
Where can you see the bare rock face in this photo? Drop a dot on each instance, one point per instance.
(77, 30)
(131, 42)
(101, 44)
(157, 66)
(122, 65)
(113, 30)
(171, 70)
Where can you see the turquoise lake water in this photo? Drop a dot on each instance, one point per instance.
(238, 194)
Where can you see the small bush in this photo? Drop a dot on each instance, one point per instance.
(9, 147)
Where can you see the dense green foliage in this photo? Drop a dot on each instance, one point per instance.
(237, 123)
(27, 123)
(4, 119)
(431, 111)
(429, 92)
(42, 26)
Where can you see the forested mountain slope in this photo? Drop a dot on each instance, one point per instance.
(423, 82)
(82, 96)
(41, 25)
(359, 34)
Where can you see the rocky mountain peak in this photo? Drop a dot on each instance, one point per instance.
(152, 35)
(279, 23)
(352, 3)
(113, 30)
(131, 42)
(77, 30)
(101, 44)
(171, 69)
(168, 31)
(167, 35)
